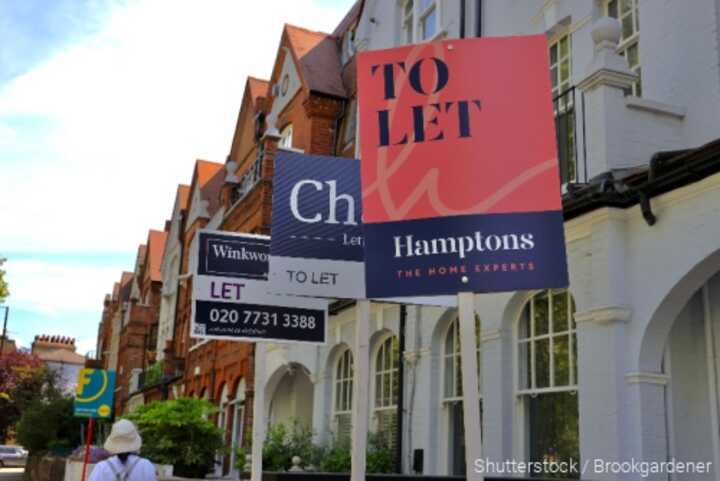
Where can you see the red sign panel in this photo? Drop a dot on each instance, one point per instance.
(459, 129)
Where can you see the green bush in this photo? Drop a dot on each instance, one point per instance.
(49, 424)
(337, 457)
(153, 375)
(240, 456)
(380, 457)
(178, 432)
(282, 442)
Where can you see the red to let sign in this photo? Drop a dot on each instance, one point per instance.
(460, 134)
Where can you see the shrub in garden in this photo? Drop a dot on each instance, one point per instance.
(179, 432)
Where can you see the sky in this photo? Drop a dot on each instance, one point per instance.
(104, 107)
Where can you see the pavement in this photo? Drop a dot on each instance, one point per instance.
(11, 474)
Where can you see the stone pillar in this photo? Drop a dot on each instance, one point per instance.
(604, 83)
(494, 380)
(601, 385)
(645, 436)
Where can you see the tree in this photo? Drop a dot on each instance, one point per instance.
(4, 292)
(178, 432)
(49, 423)
(23, 378)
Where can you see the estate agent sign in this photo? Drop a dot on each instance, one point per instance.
(94, 393)
(460, 179)
(231, 299)
(317, 244)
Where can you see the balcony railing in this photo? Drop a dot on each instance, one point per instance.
(568, 118)
(249, 179)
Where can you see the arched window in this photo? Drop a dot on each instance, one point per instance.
(343, 392)
(387, 364)
(547, 361)
(452, 394)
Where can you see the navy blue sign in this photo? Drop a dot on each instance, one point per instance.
(491, 253)
(316, 207)
(257, 321)
(232, 256)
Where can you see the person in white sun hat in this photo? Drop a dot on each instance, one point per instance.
(124, 443)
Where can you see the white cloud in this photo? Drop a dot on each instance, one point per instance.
(125, 114)
(51, 288)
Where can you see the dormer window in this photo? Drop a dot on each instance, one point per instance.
(286, 135)
(408, 13)
(348, 47)
(419, 20)
(428, 19)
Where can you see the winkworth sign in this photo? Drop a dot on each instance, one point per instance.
(231, 299)
(460, 179)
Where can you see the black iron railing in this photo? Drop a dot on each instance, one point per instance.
(568, 118)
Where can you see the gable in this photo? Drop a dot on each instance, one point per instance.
(284, 88)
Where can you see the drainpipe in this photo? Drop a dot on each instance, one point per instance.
(401, 390)
(462, 18)
(478, 18)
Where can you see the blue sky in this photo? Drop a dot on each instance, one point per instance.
(104, 106)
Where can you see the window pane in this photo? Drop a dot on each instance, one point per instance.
(612, 8)
(562, 360)
(458, 376)
(449, 376)
(564, 47)
(524, 327)
(632, 55)
(540, 304)
(554, 79)
(627, 27)
(408, 7)
(378, 391)
(564, 74)
(625, 6)
(553, 54)
(524, 366)
(554, 427)
(429, 25)
(542, 363)
(386, 390)
(560, 309)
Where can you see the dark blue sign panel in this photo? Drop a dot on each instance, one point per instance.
(261, 322)
(491, 253)
(316, 207)
(233, 256)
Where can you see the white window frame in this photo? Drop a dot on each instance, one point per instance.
(286, 137)
(342, 387)
(380, 408)
(411, 21)
(431, 7)
(456, 358)
(633, 40)
(532, 339)
(522, 393)
(563, 84)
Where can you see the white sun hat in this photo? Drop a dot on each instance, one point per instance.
(123, 438)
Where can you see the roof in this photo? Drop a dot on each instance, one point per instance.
(63, 356)
(183, 194)
(156, 248)
(257, 87)
(349, 20)
(210, 178)
(126, 285)
(319, 60)
(116, 291)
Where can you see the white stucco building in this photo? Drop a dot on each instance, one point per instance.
(623, 365)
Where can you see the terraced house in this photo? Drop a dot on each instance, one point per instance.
(622, 365)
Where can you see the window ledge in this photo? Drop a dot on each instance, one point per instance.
(655, 107)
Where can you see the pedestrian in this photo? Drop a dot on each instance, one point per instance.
(125, 465)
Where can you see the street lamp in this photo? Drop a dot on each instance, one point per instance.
(4, 331)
